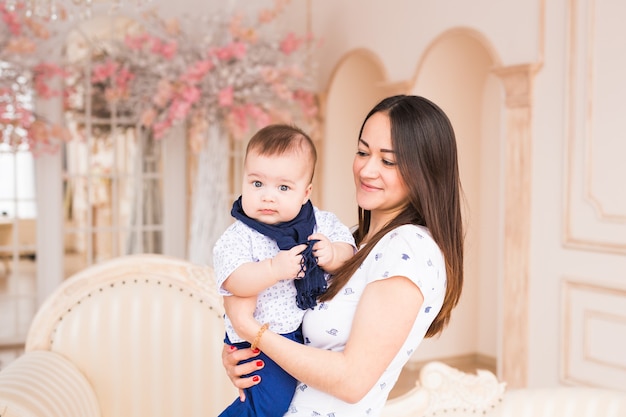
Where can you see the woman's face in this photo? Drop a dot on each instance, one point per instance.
(379, 186)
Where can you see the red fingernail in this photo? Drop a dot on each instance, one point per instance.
(232, 347)
(259, 363)
(255, 378)
(256, 350)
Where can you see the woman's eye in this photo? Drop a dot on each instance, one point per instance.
(283, 188)
(388, 163)
(257, 184)
(361, 153)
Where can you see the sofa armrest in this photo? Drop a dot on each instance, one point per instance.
(45, 384)
(444, 390)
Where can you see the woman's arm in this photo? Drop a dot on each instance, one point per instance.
(383, 320)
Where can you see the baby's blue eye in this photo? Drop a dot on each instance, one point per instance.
(257, 183)
(283, 188)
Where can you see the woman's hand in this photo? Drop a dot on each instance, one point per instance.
(231, 356)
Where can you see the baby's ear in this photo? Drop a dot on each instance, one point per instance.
(307, 194)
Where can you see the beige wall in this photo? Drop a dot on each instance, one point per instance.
(551, 141)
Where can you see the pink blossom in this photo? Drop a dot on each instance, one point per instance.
(24, 116)
(168, 49)
(123, 77)
(290, 43)
(136, 42)
(155, 45)
(307, 102)
(49, 70)
(159, 128)
(42, 73)
(261, 118)
(197, 71)
(233, 50)
(223, 54)
(191, 94)
(238, 49)
(237, 122)
(11, 20)
(179, 109)
(101, 72)
(226, 97)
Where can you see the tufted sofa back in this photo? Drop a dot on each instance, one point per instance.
(146, 331)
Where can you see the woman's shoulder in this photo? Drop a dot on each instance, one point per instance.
(409, 251)
(410, 231)
(410, 236)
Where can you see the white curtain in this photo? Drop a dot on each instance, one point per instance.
(147, 201)
(210, 212)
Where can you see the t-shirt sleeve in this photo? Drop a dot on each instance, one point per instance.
(410, 252)
(329, 225)
(230, 251)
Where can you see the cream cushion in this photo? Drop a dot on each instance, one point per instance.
(45, 383)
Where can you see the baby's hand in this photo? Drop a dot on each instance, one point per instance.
(323, 250)
(287, 264)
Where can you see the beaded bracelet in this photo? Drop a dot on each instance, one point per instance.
(257, 339)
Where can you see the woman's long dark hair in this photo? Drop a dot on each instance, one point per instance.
(425, 147)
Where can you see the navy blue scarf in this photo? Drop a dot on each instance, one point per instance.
(287, 235)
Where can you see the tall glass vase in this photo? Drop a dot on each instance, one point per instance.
(210, 212)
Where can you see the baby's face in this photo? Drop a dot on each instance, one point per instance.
(275, 187)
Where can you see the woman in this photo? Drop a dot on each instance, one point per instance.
(400, 287)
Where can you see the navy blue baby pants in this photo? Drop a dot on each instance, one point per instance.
(272, 396)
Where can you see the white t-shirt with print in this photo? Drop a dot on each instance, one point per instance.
(276, 305)
(408, 251)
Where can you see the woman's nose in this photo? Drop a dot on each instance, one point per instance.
(369, 169)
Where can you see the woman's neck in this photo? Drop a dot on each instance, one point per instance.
(376, 224)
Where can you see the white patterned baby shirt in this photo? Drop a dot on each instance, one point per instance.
(276, 305)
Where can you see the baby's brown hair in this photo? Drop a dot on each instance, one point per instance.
(278, 139)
